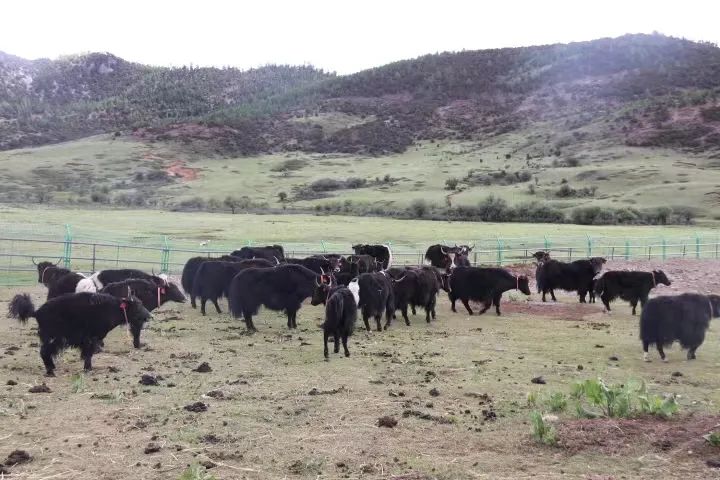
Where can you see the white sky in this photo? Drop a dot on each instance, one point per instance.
(336, 35)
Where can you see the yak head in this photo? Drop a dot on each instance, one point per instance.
(449, 254)
(445, 281)
(171, 293)
(523, 284)
(465, 249)
(597, 264)
(660, 277)
(715, 304)
(358, 249)
(541, 256)
(136, 312)
(42, 269)
(322, 287)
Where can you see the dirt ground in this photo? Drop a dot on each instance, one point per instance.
(271, 407)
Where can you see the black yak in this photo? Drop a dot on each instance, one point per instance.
(405, 283)
(484, 285)
(274, 253)
(381, 253)
(575, 276)
(340, 314)
(213, 278)
(317, 264)
(284, 288)
(191, 268)
(79, 320)
(415, 287)
(375, 297)
(48, 272)
(364, 263)
(684, 318)
(64, 284)
(629, 286)
(149, 293)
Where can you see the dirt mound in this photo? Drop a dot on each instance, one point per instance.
(614, 436)
(178, 169)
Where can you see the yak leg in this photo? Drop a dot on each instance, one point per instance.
(47, 350)
(249, 323)
(344, 342)
(378, 320)
(217, 306)
(661, 352)
(336, 338)
(325, 341)
(552, 294)
(633, 304)
(452, 303)
(193, 304)
(412, 309)
(404, 310)
(432, 304)
(581, 295)
(365, 319)
(606, 301)
(496, 302)
(86, 352)
(543, 296)
(646, 345)
(691, 353)
(136, 336)
(467, 306)
(486, 305)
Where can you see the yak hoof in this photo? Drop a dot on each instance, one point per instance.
(49, 374)
(665, 360)
(646, 358)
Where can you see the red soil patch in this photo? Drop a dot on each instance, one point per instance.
(675, 437)
(178, 169)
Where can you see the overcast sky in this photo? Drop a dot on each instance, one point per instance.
(336, 35)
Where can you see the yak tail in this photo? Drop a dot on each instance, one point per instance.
(234, 302)
(21, 307)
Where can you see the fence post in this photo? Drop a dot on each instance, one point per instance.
(68, 246)
(165, 257)
(589, 246)
(93, 261)
(612, 253)
(500, 246)
(547, 242)
(664, 249)
(697, 246)
(570, 254)
(627, 249)
(322, 245)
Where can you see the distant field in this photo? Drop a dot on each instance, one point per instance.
(622, 176)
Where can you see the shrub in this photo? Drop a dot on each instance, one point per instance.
(493, 209)
(289, 165)
(418, 208)
(597, 399)
(542, 432)
(451, 183)
(557, 402)
(282, 196)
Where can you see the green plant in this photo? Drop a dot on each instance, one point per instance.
(196, 472)
(597, 399)
(451, 183)
(557, 402)
(77, 383)
(713, 439)
(532, 398)
(542, 432)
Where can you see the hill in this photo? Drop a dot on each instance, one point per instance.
(631, 123)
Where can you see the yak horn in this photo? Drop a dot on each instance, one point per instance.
(58, 262)
(401, 278)
(32, 259)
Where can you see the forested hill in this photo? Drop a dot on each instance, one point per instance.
(642, 90)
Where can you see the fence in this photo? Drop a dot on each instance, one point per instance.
(88, 251)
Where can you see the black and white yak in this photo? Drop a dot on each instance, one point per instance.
(381, 253)
(98, 280)
(340, 314)
(80, 320)
(629, 286)
(683, 318)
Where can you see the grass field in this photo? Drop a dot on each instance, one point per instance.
(457, 388)
(623, 176)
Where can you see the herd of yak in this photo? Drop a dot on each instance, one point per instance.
(81, 310)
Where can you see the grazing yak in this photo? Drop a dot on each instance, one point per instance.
(274, 253)
(684, 318)
(340, 314)
(575, 276)
(629, 286)
(79, 320)
(149, 293)
(283, 287)
(376, 297)
(381, 253)
(213, 278)
(484, 285)
(191, 268)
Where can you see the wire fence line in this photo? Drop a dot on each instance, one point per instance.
(87, 251)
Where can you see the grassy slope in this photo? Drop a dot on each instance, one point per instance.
(624, 176)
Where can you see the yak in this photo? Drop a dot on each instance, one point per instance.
(484, 285)
(79, 320)
(149, 293)
(98, 280)
(629, 286)
(375, 297)
(49, 272)
(317, 264)
(381, 253)
(274, 253)
(340, 314)
(684, 318)
(212, 279)
(284, 288)
(575, 276)
(191, 268)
